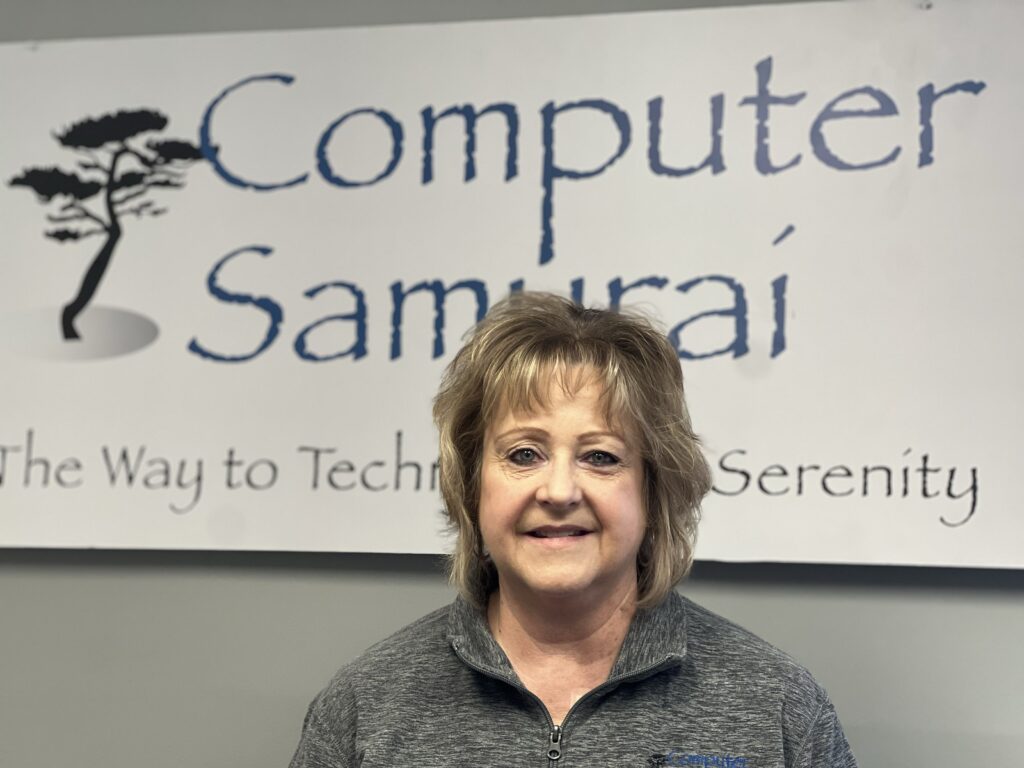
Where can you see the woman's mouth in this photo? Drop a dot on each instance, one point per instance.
(557, 532)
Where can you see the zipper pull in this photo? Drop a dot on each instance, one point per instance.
(555, 743)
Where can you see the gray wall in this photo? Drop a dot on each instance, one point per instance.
(154, 659)
(165, 659)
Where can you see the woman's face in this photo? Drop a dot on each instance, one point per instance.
(561, 501)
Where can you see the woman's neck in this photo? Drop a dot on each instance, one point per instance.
(560, 652)
(536, 630)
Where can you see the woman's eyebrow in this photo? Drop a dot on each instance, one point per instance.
(519, 431)
(589, 436)
(601, 433)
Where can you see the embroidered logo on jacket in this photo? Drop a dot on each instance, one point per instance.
(678, 757)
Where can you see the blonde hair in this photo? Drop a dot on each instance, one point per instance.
(508, 362)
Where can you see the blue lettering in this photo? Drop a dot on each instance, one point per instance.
(616, 290)
(779, 314)
(886, 108)
(714, 158)
(789, 230)
(358, 348)
(680, 758)
(398, 295)
(550, 171)
(324, 165)
(576, 290)
(927, 97)
(738, 311)
(275, 315)
(470, 116)
(762, 101)
(212, 152)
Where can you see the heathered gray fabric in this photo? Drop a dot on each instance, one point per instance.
(689, 688)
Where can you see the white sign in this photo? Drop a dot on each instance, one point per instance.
(235, 265)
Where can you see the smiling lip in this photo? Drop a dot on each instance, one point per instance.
(557, 532)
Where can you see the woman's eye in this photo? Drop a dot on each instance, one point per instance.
(523, 456)
(602, 458)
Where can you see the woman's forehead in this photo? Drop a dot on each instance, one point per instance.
(533, 390)
(554, 388)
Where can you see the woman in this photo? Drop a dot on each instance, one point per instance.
(572, 476)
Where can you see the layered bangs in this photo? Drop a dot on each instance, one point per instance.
(525, 380)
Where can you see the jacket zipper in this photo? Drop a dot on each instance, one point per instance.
(555, 743)
(554, 746)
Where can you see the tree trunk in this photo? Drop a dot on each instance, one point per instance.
(90, 283)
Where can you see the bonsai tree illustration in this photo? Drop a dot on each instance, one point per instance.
(115, 172)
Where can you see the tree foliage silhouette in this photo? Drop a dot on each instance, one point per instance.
(116, 170)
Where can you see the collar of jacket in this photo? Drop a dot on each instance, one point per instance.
(656, 639)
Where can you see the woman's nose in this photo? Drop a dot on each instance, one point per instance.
(559, 487)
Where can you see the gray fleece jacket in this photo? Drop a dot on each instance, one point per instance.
(688, 689)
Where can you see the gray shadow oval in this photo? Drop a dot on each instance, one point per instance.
(105, 332)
